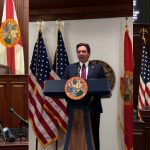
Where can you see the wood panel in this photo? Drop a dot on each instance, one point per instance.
(141, 135)
(13, 93)
(78, 132)
(73, 3)
(79, 9)
(3, 100)
(21, 145)
(88, 12)
(22, 10)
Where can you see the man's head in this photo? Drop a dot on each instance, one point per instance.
(83, 52)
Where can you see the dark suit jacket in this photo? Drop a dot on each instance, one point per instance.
(94, 71)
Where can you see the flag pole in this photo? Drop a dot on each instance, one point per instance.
(57, 29)
(58, 24)
(35, 89)
(39, 23)
(36, 144)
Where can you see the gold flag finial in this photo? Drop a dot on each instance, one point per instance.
(143, 34)
(59, 23)
(40, 23)
(126, 24)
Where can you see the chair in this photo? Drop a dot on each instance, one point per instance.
(4, 70)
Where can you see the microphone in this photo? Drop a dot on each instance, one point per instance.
(23, 120)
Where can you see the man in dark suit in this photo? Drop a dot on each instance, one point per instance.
(92, 71)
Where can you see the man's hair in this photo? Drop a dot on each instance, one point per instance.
(84, 44)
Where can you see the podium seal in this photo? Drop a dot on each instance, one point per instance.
(76, 88)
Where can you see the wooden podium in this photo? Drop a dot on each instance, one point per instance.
(79, 133)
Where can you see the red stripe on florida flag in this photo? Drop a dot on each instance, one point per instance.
(9, 9)
(10, 51)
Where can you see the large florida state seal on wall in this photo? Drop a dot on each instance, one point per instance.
(76, 88)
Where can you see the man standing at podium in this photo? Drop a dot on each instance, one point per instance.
(86, 70)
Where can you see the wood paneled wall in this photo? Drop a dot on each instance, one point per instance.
(13, 93)
(71, 10)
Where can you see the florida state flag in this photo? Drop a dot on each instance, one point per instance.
(127, 91)
(11, 49)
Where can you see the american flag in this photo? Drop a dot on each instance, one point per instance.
(58, 107)
(144, 86)
(43, 123)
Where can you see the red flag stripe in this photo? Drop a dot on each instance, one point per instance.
(141, 96)
(142, 88)
(10, 51)
(128, 62)
(11, 59)
(60, 104)
(141, 103)
(147, 95)
(146, 103)
(147, 90)
(9, 9)
(56, 114)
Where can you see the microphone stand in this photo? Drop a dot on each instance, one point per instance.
(22, 121)
(21, 131)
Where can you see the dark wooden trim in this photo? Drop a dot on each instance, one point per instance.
(82, 12)
(19, 145)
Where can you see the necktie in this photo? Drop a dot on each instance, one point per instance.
(83, 72)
